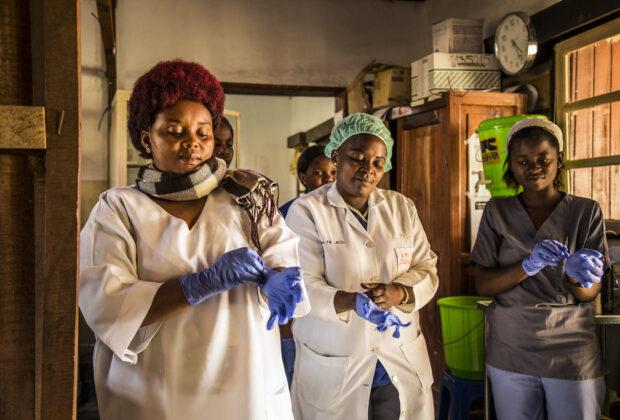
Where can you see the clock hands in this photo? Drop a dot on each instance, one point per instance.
(516, 47)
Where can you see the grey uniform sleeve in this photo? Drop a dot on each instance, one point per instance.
(486, 248)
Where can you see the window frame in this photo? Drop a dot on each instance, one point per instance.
(563, 108)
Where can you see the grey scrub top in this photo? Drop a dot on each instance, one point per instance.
(538, 328)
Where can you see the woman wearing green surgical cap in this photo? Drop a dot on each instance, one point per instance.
(368, 268)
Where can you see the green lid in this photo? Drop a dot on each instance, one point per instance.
(505, 121)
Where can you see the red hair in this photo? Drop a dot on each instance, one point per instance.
(163, 86)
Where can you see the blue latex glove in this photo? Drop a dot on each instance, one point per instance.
(545, 253)
(585, 266)
(383, 319)
(283, 290)
(235, 267)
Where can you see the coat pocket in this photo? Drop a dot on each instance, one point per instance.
(320, 378)
(417, 355)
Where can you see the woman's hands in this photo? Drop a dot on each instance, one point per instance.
(548, 252)
(585, 267)
(235, 267)
(283, 291)
(366, 309)
(385, 295)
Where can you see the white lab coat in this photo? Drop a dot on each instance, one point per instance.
(337, 353)
(215, 360)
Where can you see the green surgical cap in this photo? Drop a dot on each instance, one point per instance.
(360, 123)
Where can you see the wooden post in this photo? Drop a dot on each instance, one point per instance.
(56, 86)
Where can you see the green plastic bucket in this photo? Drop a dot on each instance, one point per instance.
(492, 134)
(462, 328)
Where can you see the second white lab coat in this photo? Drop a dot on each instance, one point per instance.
(214, 360)
(337, 353)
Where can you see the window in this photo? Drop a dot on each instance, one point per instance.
(588, 111)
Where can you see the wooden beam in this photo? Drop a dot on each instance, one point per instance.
(281, 90)
(17, 297)
(297, 139)
(319, 132)
(22, 127)
(58, 200)
(569, 16)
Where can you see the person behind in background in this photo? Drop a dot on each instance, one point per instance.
(224, 142)
(541, 255)
(369, 269)
(182, 276)
(314, 169)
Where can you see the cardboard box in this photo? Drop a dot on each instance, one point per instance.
(391, 87)
(458, 36)
(440, 72)
(357, 99)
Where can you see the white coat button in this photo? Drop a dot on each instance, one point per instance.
(375, 349)
(369, 244)
(394, 379)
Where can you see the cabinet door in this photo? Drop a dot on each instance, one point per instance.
(432, 170)
(422, 175)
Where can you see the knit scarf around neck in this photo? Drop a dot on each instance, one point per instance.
(253, 192)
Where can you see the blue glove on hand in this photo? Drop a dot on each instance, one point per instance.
(235, 267)
(585, 266)
(283, 290)
(368, 310)
(545, 253)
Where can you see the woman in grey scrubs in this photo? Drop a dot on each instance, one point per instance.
(540, 255)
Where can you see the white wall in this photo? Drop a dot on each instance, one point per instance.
(94, 96)
(301, 42)
(266, 121)
(305, 42)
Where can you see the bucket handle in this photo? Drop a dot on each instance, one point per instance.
(461, 338)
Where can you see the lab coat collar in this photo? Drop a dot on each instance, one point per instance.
(335, 199)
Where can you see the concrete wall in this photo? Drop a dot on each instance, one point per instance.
(306, 42)
(302, 42)
(94, 169)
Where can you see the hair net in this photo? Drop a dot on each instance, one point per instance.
(546, 125)
(360, 123)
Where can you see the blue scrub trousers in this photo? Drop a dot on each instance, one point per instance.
(525, 397)
(288, 357)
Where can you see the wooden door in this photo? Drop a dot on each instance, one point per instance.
(465, 113)
(432, 170)
(422, 175)
(39, 172)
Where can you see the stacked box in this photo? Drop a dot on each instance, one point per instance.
(440, 72)
(391, 87)
(458, 36)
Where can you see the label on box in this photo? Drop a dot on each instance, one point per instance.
(439, 72)
(440, 80)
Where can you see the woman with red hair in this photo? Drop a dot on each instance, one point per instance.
(181, 272)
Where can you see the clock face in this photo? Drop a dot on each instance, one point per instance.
(515, 45)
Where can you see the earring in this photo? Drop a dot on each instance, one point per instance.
(146, 148)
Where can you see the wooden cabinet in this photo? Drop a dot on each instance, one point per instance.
(431, 169)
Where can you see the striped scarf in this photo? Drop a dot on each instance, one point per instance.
(253, 192)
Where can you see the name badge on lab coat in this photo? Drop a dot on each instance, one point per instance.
(403, 255)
